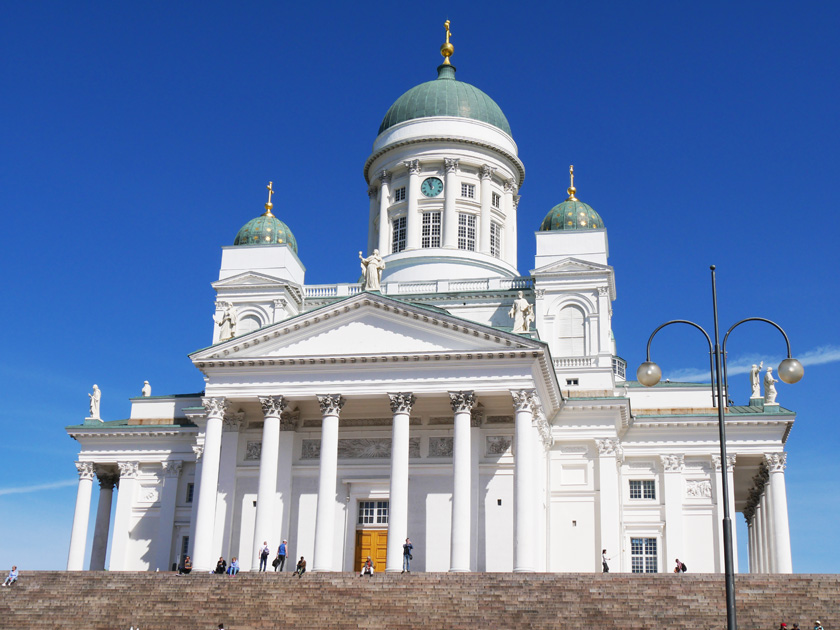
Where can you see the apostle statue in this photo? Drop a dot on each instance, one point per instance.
(226, 321)
(147, 389)
(769, 388)
(522, 313)
(372, 267)
(95, 398)
(755, 380)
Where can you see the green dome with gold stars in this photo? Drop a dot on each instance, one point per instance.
(572, 214)
(266, 229)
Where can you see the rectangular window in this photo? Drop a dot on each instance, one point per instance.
(430, 236)
(643, 555)
(466, 231)
(373, 512)
(399, 194)
(497, 200)
(573, 382)
(468, 191)
(642, 489)
(190, 491)
(496, 240)
(398, 240)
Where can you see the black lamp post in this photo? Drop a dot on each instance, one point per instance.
(790, 371)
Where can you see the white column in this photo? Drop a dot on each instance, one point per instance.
(717, 487)
(486, 175)
(384, 224)
(227, 483)
(609, 496)
(769, 524)
(284, 477)
(523, 482)
(373, 238)
(776, 463)
(264, 526)
(730, 481)
(171, 471)
(450, 192)
(462, 404)
(198, 449)
(203, 559)
(103, 521)
(509, 244)
(476, 418)
(331, 405)
(672, 480)
(401, 404)
(751, 542)
(78, 535)
(762, 521)
(122, 517)
(412, 223)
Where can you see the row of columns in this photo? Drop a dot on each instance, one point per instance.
(767, 518)
(449, 223)
(125, 479)
(401, 403)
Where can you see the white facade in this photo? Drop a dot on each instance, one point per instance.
(336, 416)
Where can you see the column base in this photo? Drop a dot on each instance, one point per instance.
(524, 571)
(460, 571)
(393, 570)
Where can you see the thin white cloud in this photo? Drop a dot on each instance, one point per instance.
(742, 365)
(38, 488)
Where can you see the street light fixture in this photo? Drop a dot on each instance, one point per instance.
(790, 371)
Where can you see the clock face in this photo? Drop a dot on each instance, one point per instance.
(431, 187)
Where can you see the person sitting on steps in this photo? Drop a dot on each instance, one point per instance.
(186, 567)
(13, 577)
(367, 568)
(233, 568)
(301, 567)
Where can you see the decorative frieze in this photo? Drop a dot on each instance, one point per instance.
(86, 470)
(331, 404)
(573, 450)
(289, 420)
(359, 448)
(698, 489)
(253, 451)
(498, 444)
(440, 446)
(477, 416)
(402, 402)
(672, 463)
(233, 420)
(462, 402)
(608, 447)
(273, 406)
(499, 420)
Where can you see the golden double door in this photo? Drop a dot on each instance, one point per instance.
(373, 543)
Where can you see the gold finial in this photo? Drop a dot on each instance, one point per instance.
(447, 49)
(571, 189)
(269, 205)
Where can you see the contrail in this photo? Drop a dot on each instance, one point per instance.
(43, 486)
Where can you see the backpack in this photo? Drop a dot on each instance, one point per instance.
(683, 568)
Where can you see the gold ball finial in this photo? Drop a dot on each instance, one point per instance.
(571, 189)
(447, 49)
(269, 205)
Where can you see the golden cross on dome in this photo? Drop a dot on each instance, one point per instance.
(269, 205)
(447, 49)
(270, 191)
(571, 189)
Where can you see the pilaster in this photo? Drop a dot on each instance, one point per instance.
(486, 175)
(673, 466)
(384, 223)
(609, 495)
(170, 473)
(450, 193)
(412, 223)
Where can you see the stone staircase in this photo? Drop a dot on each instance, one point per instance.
(489, 601)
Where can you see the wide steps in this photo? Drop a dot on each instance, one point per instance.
(104, 600)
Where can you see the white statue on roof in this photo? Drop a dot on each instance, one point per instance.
(226, 321)
(147, 389)
(522, 313)
(95, 398)
(770, 388)
(372, 267)
(755, 380)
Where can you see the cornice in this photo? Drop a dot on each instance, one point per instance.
(127, 432)
(460, 140)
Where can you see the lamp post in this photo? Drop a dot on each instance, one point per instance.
(790, 371)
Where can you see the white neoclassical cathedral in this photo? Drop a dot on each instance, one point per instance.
(447, 397)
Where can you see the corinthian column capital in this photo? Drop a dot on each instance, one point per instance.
(462, 401)
(413, 166)
(215, 407)
(273, 406)
(402, 402)
(331, 404)
(128, 470)
(86, 470)
(450, 165)
(171, 468)
(523, 399)
(776, 462)
(486, 171)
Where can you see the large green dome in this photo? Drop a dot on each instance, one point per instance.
(445, 96)
(572, 214)
(266, 230)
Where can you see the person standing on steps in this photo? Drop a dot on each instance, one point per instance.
(605, 568)
(301, 567)
(407, 557)
(281, 556)
(264, 553)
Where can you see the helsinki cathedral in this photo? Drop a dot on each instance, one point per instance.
(449, 397)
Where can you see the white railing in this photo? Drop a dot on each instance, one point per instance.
(317, 291)
(574, 362)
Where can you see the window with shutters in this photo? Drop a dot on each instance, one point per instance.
(571, 332)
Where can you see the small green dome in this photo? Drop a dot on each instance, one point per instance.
(266, 230)
(445, 96)
(572, 214)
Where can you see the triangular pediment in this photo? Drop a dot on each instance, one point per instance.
(571, 265)
(363, 325)
(249, 279)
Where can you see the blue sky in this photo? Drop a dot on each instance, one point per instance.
(136, 138)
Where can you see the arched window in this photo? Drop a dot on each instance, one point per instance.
(570, 332)
(247, 324)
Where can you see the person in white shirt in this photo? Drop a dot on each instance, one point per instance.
(264, 553)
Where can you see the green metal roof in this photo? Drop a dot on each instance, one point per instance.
(572, 214)
(445, 96)
(266, 230)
